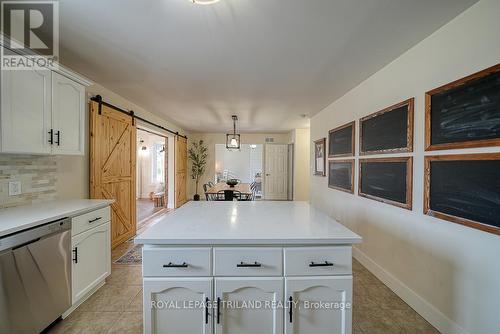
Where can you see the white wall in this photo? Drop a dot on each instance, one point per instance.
(301, 168)
(242, 164)
(449, 273)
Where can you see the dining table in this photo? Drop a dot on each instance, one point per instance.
(244, 188)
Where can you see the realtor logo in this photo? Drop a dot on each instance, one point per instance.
(30, 34)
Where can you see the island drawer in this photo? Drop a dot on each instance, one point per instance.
(89, 220)
(317, 261)
(162, 261)
(248, 261)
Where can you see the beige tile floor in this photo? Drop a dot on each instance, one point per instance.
(116, 307)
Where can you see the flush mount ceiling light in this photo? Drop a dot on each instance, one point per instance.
(204, 2)
(233, 139)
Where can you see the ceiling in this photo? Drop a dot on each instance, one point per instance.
(273, 63)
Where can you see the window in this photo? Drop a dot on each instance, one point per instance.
(158, 163)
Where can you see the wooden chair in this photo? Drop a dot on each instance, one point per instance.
(210, 184)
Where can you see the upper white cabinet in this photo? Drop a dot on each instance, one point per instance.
(68, 115)
(43, 112)
(26, 111)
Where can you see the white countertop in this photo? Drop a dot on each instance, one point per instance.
(249, 223)
(26, 216)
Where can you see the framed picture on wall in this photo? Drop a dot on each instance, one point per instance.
(320, 157)
(341, 141)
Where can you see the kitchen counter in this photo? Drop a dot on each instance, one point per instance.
(248, 223)
(27, 216)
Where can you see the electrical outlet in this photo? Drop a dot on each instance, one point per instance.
(14, 188)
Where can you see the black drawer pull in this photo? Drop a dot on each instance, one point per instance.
(51, 138)
(94, 220)
(173, 265)
(207, 314)
(75, 253)
(290, 311)
(58, 135)
(218, 310)
(249, 265)
(321, 264)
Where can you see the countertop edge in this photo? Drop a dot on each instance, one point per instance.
(247, 242)
(63, 214)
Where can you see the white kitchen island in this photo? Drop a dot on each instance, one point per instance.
(245, 268)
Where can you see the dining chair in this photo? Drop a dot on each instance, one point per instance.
(207, 195)
(210, 184)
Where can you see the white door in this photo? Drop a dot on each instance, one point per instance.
(91, 259)
(321, 305)
(248, 305)
(68, 115)
(177, 305)
(26, 111)
(276, 172)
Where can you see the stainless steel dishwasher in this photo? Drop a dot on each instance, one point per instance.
(35, 277)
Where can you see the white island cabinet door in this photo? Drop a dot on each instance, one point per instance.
(68, 116)
(320, 305)
(91, 259)
(249, 305)
(25, 117)
(177, 306)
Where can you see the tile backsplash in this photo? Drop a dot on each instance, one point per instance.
(37, 174)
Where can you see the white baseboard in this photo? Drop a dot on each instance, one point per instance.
(428, 311)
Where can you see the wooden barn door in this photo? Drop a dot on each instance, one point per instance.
(113, 167)
(180, 171)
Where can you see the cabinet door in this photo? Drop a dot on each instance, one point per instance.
(91, 259)
(249, 305)
(177, 306)
(25, 111)
(68, 115)
(321, 305)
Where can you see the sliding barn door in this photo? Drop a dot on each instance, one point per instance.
(113, 167)
(180, 171)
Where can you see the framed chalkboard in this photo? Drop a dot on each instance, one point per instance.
(464, 189)
(341, 141)
(388, 180)
(388, 131)
(341, 175)
(464, 113)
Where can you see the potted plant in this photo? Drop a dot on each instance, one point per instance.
(198, 155)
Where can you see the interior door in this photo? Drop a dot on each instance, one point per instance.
(276, 172)
(180, 171)
(177, 306)
(245, 305)
(113, 167)
(317, 305)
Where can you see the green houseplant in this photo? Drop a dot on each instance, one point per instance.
(197, 153)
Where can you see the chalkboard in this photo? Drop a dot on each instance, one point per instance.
(389, 130)
(465, 189)
(387, 180)
(341, 175)
(465, 113)
(341, 141)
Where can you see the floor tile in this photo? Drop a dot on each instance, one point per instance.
(136, 304)
(128, 323)
(110, 298)
(125, 275)
(86, 323)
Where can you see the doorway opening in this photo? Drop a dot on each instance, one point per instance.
(154, 193)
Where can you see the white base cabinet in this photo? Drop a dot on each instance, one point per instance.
(314, 298)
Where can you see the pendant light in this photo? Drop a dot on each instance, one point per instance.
(233, 140)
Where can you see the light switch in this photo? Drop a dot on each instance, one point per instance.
(15, 188)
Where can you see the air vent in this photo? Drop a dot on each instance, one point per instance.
(269, 140)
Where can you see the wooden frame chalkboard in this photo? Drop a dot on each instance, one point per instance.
(335, 184)
(320, 157)
(408, 179)
(341, 141)
(383, 124)
(459, 203)
(471, 105)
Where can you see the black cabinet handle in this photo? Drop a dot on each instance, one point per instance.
(321, 264)
(290, 310)
(58, 135)
(51, 138)
(207, 301)
(218, 310)
(94, 220)
(249, 265)
(173, 265)
(75, 253)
